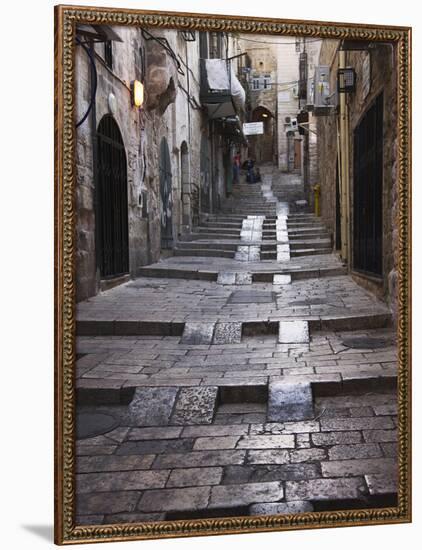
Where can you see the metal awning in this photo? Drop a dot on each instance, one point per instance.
(221, 92)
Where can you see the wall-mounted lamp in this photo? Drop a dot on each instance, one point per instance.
(137, 93)
(346, 80)
(264, 115)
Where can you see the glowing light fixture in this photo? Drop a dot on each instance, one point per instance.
(264, 115)
(137, 93)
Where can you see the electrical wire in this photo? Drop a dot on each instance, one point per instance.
(165, 44)
(308, 41)
(94, 84)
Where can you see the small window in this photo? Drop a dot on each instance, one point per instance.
(203, 45)
(108, 53)
(215, 45)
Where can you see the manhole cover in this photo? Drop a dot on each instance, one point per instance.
(93, 424)
(366, 342)
(251, 297)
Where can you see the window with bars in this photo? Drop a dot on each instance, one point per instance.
(261, 82)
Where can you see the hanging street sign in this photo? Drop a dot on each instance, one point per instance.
(253, 128)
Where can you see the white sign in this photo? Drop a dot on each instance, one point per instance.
(253, 128)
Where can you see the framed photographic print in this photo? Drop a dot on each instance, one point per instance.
(232, 274)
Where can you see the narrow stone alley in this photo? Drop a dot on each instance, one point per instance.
(245, 374)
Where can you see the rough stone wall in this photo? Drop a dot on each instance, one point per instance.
(142, 130)
(327, 143)
(383, 79)
(263, 60)
(116, 81)
(287, 101)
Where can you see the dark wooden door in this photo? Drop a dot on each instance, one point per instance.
(112, 223)
(367, 189)
(166, 196)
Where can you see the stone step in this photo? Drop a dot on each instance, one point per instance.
(310, 237)
(310, 251)
(214, 235)
(203, 244)
(209, 252)
(232, 330)
(257, 276)
(308, 243)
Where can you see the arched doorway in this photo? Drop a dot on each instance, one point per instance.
(166, 196)
(263, 144)
(112, 223)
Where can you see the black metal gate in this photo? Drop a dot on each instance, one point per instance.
(112, 197)
(367, 188)
(166, 196)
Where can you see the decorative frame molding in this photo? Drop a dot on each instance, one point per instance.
(66, 18)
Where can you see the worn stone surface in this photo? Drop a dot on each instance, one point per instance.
(193, 477)
(266, 442)
(223, 442)
(382, 484)
(195, 405)
(263, 473)
(273, 456)
(290, 401)
(336, 438)
(227, 333)
(200, 458)
(151, 406)
(343, 452)
(120, 481)
(86, 464)
(272, 508)
(189, 498)
(342, 468)
(325, 489)
(245, 494)
(111, 502)
(198, 333)
(293, 332)
(168, 432)
(155, 446)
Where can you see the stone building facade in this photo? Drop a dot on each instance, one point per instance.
(168, 156)
(372, 201)
(297, 152)
(260, 77)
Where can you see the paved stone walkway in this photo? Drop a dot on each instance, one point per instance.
(237, 387)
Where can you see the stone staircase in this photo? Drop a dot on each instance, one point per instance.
(308, 235)
(219, 235)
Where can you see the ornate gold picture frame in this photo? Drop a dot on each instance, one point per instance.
(67, 19)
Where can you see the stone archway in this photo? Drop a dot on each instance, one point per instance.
(112, 194)
(263, 145)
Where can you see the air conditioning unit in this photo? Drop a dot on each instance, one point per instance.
(290, 124)
(324, 101)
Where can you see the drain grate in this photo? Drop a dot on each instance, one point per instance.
(94, 424)
(366, 342)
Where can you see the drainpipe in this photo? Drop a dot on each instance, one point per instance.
(344, 168)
